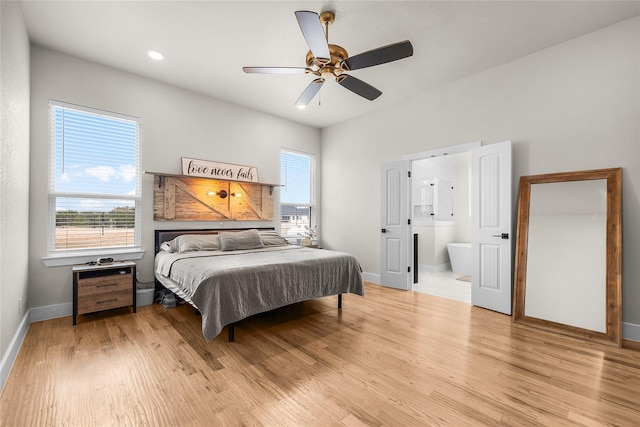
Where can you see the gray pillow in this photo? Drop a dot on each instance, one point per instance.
(272, 238)
(234, 241)
(196, 242)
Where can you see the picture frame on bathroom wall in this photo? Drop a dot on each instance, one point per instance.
(568, 276)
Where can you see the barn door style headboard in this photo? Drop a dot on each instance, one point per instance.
(186, 198)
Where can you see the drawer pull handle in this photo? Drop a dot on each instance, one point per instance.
(109, 300)
(105, 284)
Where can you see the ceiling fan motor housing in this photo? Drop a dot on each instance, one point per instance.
(338, 54)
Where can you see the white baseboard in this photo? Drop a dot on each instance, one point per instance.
(631, 331)
(51, 311)
(370, 277)
(12, 352)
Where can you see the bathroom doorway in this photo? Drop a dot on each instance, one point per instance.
(441, 225)
(491, 224)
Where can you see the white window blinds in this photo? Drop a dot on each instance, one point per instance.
(297, 192)
(95, 178)
(296, 171)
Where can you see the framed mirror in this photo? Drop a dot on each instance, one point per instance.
(569, 254)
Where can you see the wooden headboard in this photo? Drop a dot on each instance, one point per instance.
(166, 235)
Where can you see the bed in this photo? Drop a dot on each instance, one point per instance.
(228, 275)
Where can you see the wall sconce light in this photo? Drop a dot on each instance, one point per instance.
(223, 194)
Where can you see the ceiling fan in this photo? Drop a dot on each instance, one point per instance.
(326, 60)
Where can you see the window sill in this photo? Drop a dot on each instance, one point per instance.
(75, 258)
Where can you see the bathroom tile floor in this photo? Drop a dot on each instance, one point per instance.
(443, 284)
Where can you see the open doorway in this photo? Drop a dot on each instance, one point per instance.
(491, 225)
(441, 225)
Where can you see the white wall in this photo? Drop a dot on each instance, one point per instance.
(14, 176)
(175, 123)
(574, 106)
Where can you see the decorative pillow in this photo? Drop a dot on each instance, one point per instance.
(272, 238)
(196, 242)
(234, 241)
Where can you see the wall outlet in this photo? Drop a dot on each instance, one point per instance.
(19, 305)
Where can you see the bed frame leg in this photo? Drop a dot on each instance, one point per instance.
(339, 300)
(231, 332)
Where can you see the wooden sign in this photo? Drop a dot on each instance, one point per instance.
(217, 170)
(188, 198)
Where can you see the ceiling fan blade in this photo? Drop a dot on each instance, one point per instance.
(314, 34)
(276, 70)
(309, 93)
(358, 87)
(378, 56)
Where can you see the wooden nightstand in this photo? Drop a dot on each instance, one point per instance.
(103, 287)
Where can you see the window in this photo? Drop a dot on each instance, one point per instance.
(94, 179)
(297, 192)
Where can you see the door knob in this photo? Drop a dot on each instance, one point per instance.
(504, 236)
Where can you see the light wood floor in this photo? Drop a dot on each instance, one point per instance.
(392, 358)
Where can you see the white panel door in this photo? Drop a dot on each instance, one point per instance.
(491, 284)
(394, 229)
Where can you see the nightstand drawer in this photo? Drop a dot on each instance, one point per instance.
(105, 301)
(103, 284)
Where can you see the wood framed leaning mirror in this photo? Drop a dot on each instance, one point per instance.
(569, 254)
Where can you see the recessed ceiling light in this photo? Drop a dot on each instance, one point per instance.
(158, 56)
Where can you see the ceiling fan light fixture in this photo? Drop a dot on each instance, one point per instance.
(154, 54)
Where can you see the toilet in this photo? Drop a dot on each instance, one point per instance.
(460, 257)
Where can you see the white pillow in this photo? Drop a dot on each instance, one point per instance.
(168, 246)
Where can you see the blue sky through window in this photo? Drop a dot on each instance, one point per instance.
(295, 178)
(94, 155)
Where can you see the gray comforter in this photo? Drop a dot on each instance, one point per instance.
(229, 286)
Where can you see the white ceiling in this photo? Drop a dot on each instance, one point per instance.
(206, 43)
